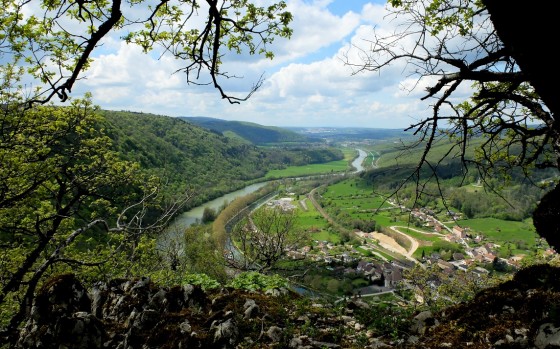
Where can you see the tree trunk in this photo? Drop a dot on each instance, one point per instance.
(529, 32)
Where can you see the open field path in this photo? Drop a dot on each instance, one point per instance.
(414, 243)
(385, 242)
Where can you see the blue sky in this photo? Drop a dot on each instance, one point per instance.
(307, 84)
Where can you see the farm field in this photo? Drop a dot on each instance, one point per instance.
(501, 231)
(355, 200)
(310, 220)
(296, 171)
(315, 169)
(419, 236)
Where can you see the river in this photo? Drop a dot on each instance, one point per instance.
(358, 162)
(174, 232)
(184, 220)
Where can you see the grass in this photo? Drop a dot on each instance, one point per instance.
(307, 170)
(326, 236)
(368, 161)
(386, 255)
(374, 252)
(385, 297)
(428, 250)
(502, 231)
(355, 197)
(315, 169)
(385, 218)
(348, 188)
(390, 155)
(349, 153)
(310, 218)
(420, 236)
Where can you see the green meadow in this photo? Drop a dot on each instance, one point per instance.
(502, 231)
(314, 169)
(420, 236)
(308, 170)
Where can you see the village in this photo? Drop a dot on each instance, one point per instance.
(384, 274)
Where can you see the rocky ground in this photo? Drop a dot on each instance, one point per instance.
(138, 314)
(522, 313)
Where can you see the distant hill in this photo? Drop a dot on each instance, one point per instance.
(248, 131)
(339, 134)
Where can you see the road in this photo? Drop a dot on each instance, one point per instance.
(406, 254)
(414, 243)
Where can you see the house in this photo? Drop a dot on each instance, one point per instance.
(296, 255)
(482, 250)
(515, 260)
(347, 258)
(489, 257)
(392, 276)
(434, 257)
(452, 238)
(461, 265)
(283, 203)
(445, 265)
(549, 252)
(459, 232)
(361, 267)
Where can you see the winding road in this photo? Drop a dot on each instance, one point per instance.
(386, 242)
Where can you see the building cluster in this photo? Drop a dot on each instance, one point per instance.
(427, 216)
(285, 204)
(385, 274)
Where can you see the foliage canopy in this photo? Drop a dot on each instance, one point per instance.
(55, 41)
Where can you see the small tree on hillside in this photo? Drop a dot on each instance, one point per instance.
(261, 239)
(67, 204)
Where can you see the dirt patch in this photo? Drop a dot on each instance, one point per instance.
(389, 243)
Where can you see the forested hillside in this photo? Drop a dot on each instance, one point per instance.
(506, 193)
(190, 156)
(253, 133)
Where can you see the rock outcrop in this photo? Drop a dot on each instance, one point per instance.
(128, 314)
(521, 313)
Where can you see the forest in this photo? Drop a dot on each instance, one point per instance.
(189, 157)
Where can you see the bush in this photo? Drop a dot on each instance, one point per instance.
(254, 281)
(202, 280)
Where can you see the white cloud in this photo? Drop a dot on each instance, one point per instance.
(314, 27)
(305, 87)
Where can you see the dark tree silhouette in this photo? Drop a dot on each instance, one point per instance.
(527, 44)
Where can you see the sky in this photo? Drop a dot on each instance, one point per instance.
(306, 84)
